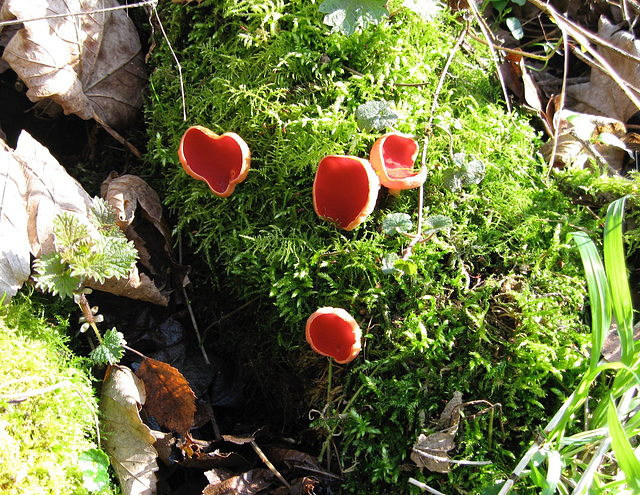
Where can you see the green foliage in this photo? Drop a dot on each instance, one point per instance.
(94, 464)
(490, 305)
(43, 436)
(81, 254)
(110, 350)
(349, 16)
(376, 115)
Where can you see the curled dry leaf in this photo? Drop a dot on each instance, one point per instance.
(90, 64)
(430, 451)
(248, 483)
(170, 400)
(128, 441)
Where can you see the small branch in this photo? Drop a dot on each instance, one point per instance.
(270, 465)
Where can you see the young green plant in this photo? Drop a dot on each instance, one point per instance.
(80, 256)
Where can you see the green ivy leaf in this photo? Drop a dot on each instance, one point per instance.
(396, 223)
(436, 223)
(349, 16)
(94, 464)
(427, 9)
(376, 115)
(389, 263)
(110, 351)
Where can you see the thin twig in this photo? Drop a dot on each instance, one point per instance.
(175, 57)
(270, 465)
(76, 14)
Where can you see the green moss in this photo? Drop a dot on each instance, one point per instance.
(41, 436)
(495, 308)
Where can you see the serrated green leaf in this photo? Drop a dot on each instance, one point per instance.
(349, 16)
(472, 172)
(102, 214)
(53, 275)
(451, 180)
(110, 351)
(69, 231)
(396, 223)
(94, 464)
(388, 263)
(378, 115)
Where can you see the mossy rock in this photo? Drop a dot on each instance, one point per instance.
(495, 308)
(48, 410)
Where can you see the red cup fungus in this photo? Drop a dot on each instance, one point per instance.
(345, 190)
(392, 157)
(335, 333)
(220, 161)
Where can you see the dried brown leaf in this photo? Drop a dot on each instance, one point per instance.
(248, 483)
(128, 441)
(602, 95)
(90, 64)
(14, 241)
(170, 400)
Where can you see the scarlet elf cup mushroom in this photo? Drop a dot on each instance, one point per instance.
(222, 161)
(392, 157)
(335, 333)
(345, 190)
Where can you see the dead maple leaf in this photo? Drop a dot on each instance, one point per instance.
(91, 64)
(602, 95)
(128, 441)
(170, 400)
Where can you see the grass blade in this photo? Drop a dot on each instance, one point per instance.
(625, 456)
(599, 295)
(616, 268)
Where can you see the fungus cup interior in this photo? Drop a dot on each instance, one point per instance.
(221, 161)
(392, 157)
(335, 333)
(345, 190)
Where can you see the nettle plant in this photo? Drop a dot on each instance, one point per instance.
(82, 255)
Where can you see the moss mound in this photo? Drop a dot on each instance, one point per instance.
(494, 308)
(48, 408)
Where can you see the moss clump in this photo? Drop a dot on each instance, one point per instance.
(41, 436)
(495, 306)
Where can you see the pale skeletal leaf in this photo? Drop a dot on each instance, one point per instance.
(90, 64)
(14, 241)
(128, 441)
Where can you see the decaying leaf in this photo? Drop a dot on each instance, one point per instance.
(583, 137)
(140, 216)
(602, 95)
(90, 64)
(247, 483)
(431, 451)
(128, 441)
(14, 241)
(170, 400)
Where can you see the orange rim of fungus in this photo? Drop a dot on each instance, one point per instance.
(335, 333)
(222, 161)
(392, 157)
(345, 190)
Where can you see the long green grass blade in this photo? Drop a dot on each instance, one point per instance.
(625, 456)
(599, 297)
(553, 472)
(616, 268)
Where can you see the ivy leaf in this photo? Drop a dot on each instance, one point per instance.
(110, 351)
(389, 263)
(427, 9)
(465, 172)
(376, 115)
(94, 464)
(407, 267)
(436, 223)
(349, 16)
(396, 223)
